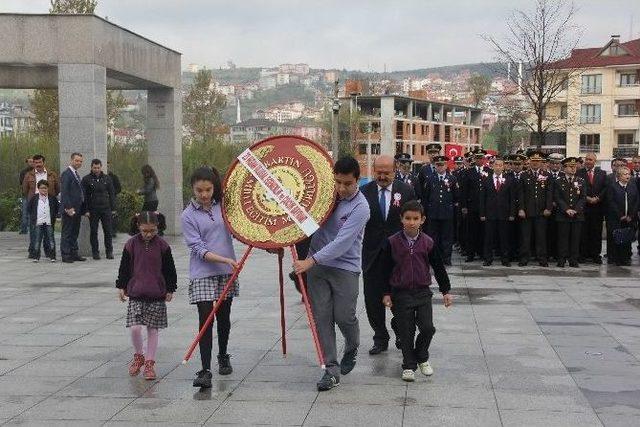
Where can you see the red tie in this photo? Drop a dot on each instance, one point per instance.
(498, 184)
(590, 175)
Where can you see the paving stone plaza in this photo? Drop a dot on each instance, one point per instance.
(520, 346)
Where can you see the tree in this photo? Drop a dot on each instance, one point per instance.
(538, 40)
(44, 102)
(202, 108)
(479, 84)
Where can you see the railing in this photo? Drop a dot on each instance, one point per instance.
(591, 90)
(590, 120)
(590, 148)
(629, 151)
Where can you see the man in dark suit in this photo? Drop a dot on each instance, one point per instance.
(439, 197)
(497, 211)
(72, 207)
(595, 180)
(569, 194)
(385, 196)
(622, 201)
(457, 217)
(470, 205)
(428, 169)
(534, 207)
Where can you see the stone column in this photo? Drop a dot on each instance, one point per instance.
(387, 126)
(164, 142)
(82, 105)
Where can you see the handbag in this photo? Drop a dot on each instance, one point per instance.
(624, 236)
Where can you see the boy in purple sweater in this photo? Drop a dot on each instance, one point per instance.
(408, 259)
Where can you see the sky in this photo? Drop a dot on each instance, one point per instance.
(352, 34)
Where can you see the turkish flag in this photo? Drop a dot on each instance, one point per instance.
(451, 151)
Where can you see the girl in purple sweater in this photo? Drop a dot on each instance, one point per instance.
(211, 263)
(147, 276)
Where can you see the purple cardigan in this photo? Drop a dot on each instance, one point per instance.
(205, 231)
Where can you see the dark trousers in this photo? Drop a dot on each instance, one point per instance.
(376, 311)
(223, 319)
(104, 217)
(569, 240)
(537, 225)
(150, 206)
(591, 240)
(24, 216)
(552, 233)
(69, 238)
(618, 254)
(441, 231)
(514, 239)
(33, 237)
(413, 309)
(474, 234)
(496, 236)
(44, 233)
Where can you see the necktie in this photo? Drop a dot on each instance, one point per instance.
(590, 175)
(498, 183)
(383, 203)
(441, 180)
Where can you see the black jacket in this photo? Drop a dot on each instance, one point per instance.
(32, 208)
(614, 201)
(534, 195)
(471, 185)
(598, 189)
(498, 204)
(570, 194)
(377, 230)
(439, 198)
(71, 192)
(99, 192)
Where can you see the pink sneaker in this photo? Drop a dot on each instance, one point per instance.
(136, 364)
(149, 373)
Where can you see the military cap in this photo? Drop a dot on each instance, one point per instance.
(440, 159)
(569, 161)
(458, 159)
(433, 147)
(468, 154)
(536, 155)
(404, 158)
(479, 152)
(555, 157)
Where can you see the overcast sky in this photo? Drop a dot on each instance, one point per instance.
(352, 34)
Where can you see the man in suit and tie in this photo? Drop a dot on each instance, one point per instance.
(622, 210)
(439, 197)
(595, 181)
(497, 211)
(470, 205)
(385, 197)
(72, 207)
(569, 194)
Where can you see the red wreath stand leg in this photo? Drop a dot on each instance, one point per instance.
(305, 299)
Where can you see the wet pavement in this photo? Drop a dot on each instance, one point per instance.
(520, 346)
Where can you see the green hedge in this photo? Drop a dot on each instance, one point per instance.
(10, 211)
(128, 203)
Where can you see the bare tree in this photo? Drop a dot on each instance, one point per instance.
(538, 39)
(479, 85)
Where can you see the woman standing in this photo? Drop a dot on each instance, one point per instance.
(211, 264)
(148, 190)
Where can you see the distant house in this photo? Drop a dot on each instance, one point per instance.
(253, 130)
(15, 120)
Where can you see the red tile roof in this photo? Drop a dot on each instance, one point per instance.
(590, 58)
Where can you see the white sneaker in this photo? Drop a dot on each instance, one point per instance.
(36, 260)
(408, 375)
(425, 368)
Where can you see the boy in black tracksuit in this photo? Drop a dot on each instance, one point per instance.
(408, 258)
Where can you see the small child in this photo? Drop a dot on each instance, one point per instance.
(148, 277)
(43, 209)
(409, 256)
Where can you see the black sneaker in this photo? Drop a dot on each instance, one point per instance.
(224, 364)
(109, 256)
(96, 256)
(203, 379)
(327, 382)
(348, 361)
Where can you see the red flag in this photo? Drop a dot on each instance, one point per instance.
(451, 151)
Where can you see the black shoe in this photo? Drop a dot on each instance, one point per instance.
(626, 263)
(109, 256)
(378, 348)
(543, 264)
(203, 379)
(398, 344)
(506, 263)
(447, 263)
(348, 362)
(224, 364)
(96, 256)
(597, 260)
(79, 258)
(522, 263)
(67, 260)
(560, 264)
(487, 263)
(327, 382)
(469, 259)
(573, 264)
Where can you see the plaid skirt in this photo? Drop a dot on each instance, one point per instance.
(148, 313)
(210, 288)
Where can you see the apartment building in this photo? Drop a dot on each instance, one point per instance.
(598, 109)
(394, 124)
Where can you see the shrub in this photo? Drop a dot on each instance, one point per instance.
(10, 211)
(128, 203)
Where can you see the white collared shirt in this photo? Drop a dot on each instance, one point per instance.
(39, 177)
(44, 213)
(387, 199)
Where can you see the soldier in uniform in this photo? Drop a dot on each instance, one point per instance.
(569, 195)
(534, 207)
(514, 229)
(440, 194)
(470, 204)
(457, 217)
(497, 210)
(595, 181)
(555, 166)
(428, 169)
(403, 170)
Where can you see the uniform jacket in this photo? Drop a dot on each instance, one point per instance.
(439, 198)
(377, 230)
(498, 204)
(570, 194)
(534, 195)
(471, 186)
